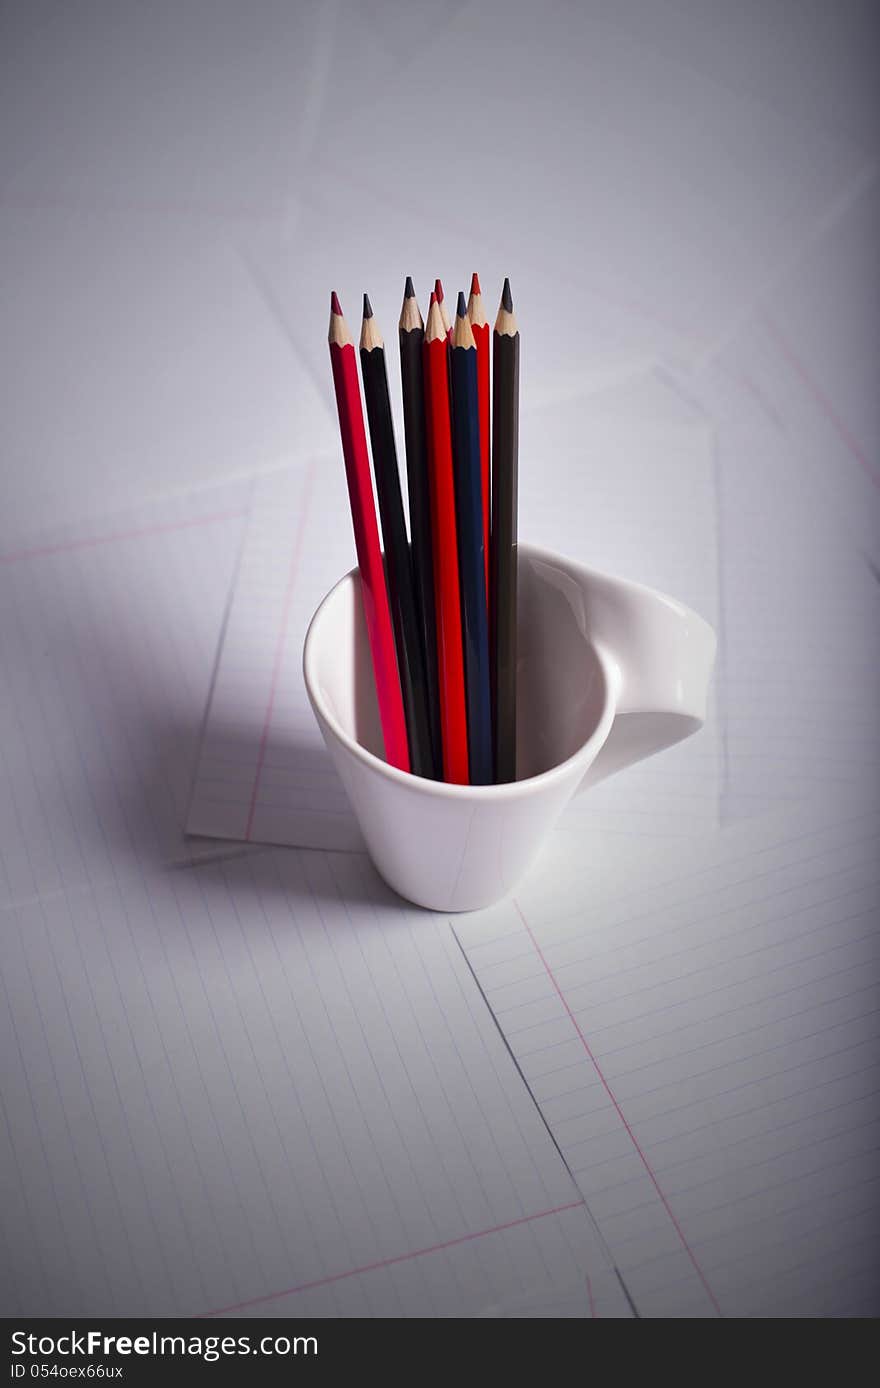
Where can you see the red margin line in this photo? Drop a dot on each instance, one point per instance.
(610, 1092)
(397, 1258)
(92, 541)
(848, 439)
(279, 647)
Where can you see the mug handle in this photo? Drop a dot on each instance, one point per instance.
(659, 657)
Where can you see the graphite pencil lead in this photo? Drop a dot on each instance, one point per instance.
(507, 297)
(334, 303)
(368, 307)
(461, 307)
(408, 291)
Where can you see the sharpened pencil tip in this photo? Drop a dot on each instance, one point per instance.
(334, 303)
(507, 297)
(461, 307)
(434, 299)
(408, 291)
(438, 290)
(475, 283)
(368, 307)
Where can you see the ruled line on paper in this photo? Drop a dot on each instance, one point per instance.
(619, 1111)
(397, 1258)
(822, 399)
(108, 639)
(539, 1110)
(282, 637)
(119, 536)
(263, 772)
(747, 1091)
(312, 1087)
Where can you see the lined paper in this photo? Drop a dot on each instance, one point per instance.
(684, 242)
(596, 474)
(795, 426)
(231, 1081)
(806, 361)
(264, 1087)
(108, 631)
(704, 1046)
(238, 1081)
(264, 774)
(801, 640)
(164, 370)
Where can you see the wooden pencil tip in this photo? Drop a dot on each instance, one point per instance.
(438, 290)
(461, 308)
(475, 283)
(334, 303)
(507, 297)
(368, 307)
(408, 291)
(434, 299)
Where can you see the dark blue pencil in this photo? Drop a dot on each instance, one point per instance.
(471, 558)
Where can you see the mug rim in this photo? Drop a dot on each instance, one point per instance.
(451, 790)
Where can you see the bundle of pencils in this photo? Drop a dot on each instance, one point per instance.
(441, 610)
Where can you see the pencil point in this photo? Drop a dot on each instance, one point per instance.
(438, 290)
(461, 309)
(475, 283)
(507, 297)
(334, 303)
(434, 299)
(368, 307)
(408, 291)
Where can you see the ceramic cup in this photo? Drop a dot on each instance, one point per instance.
(608, 673)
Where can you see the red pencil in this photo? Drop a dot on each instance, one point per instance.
(366, 538)
(444, 531)
(447, 326)
(484, 351)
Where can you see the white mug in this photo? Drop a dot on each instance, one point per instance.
(608, 672)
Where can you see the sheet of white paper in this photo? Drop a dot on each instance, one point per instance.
(263, 773)
(756, 51)
(265, 1087)
(108, 632)
(257, 1085)
(616, 480)
(701, 1035)
(805, 367)
(800, 662)
(794, 410)
(204, 111)
(137, 360)
(636, 499)
(570, 163)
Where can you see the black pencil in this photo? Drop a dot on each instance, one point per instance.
(411, 333)
(502, 585)
(471, 562)
(407, 639)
